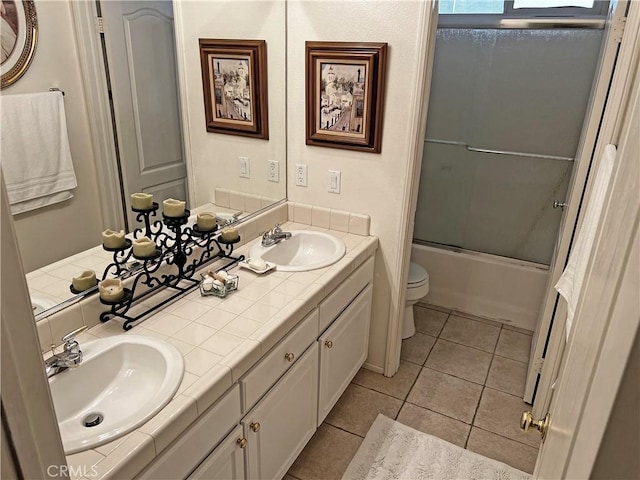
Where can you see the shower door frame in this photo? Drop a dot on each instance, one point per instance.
(547, 342)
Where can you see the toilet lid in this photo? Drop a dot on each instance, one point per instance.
(417, 274)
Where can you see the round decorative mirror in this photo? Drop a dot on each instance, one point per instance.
(19, 34)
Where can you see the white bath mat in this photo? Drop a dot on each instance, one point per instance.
(392, 450)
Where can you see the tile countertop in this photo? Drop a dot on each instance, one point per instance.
(220, 340)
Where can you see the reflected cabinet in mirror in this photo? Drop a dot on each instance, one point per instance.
(134, 112)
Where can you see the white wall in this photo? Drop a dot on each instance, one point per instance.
(214, 156)
(52, 233)
(371, 183)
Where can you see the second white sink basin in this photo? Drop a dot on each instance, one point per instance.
(305, 250)
(121, 383)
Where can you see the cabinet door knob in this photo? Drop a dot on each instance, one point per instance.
(255, 426)
(289, 357)
(242, 442)
(328, 344)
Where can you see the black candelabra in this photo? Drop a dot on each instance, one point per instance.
(187, 248)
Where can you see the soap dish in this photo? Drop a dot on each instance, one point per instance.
(270, 266)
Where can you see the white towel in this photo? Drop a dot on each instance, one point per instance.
(36, 158)
(570, 283)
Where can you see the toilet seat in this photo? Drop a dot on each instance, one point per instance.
(418, 276)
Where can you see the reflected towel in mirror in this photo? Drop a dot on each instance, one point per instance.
(36, 158)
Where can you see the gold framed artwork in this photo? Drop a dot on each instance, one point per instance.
(19, 37)
(234, 81)
(345, 94)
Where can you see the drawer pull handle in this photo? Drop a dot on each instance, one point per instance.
(328, 344)
(242, 442)
(255, 426)
(289, 357)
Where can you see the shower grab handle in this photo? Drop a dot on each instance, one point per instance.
(499, 152)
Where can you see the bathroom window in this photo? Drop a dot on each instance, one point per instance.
(515, 13)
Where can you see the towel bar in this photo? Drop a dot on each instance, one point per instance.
(498, 152)
(56, 89)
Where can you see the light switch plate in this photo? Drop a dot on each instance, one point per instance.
(273, 174)
(334, 181)
(301, 175)
(245, 167)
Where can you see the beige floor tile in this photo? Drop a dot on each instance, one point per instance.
(416, 349)
(327, 455)
(289, 477)
(358, 407)
(476, 318)
(506, 326)
(429, 321)
(471, 333)
(515, 454)
(397, 386)
(507, 376)
(434, 307)
(500, 413)
(514, 345)
(434, 424)
(445, 394)
(459, 360)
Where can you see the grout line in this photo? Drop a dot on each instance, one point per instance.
(455, 376)
(474, 415)
(512, 359)
(343, 429)
(507, 438)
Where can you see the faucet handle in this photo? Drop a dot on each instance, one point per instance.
(71, 336)
(277, 228)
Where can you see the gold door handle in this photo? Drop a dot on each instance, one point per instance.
(289, 357)
(328, 344)
(242, 442)
(526, 421)
(255, 426)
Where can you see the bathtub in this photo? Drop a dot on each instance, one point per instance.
(498, 288)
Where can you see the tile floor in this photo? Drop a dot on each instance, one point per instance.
(461, 378)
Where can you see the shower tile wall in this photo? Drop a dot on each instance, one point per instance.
(461, 379)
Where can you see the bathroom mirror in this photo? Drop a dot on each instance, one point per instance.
(56, 242)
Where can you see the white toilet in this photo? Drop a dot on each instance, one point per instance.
(417, 288)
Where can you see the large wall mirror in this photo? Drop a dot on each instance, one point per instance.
(155, 85)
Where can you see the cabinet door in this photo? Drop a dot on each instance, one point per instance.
(343, 350)
(225, 462)
(282, 423)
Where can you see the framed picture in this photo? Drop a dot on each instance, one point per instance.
(234, 79)
(19, 38)
(345, 94)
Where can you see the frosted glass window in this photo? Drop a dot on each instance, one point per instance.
(471, 6)
(552, 3)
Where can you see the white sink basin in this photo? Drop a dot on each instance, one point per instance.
(126, 379)
(41, 304)
(305, 250)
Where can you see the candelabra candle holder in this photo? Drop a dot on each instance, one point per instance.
(185, 247)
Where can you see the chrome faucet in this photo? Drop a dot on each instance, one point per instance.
(70, 357)
(273, 236)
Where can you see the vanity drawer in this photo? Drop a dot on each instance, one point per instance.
(198, 441)
(261, 377)
(343, 294)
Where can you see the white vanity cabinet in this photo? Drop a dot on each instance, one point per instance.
(281, 424)
(343, 350)
(226, 461)
(261, 425)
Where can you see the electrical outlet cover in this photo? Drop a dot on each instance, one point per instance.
(301, 175)
(244, 165)
(273, 171)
